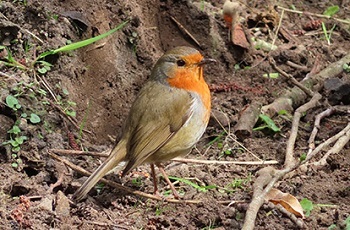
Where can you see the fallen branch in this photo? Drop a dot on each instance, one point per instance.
(247, 120)
(294, 97)
(290, 77)
(268, 176)
(183, 29)
(289, 159)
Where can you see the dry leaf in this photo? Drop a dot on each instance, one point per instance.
(289, 202)
(239, 38)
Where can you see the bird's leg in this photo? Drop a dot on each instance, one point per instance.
(161, 169)
(153, 171)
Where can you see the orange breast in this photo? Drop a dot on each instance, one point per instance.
(191, 79)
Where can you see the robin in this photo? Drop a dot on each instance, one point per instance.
(169, 115)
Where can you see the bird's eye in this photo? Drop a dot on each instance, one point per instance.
(181, 62)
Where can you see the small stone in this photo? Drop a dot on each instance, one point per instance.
(62, 205)
(46, 204)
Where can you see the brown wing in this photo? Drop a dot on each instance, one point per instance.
(156, 115)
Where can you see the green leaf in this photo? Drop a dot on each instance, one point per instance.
(307, 206)
(83, 43)
(302, 157)
(283, 112)
(45, 63)
(42, 70)
(346, 67)
(16, 149)
(11, 101)
(194, 185)
(71, 103)
(270, 124)
(34, 118)
(332, 227)
(65, 91)
(14, 165)
(14, 143)
(71, 113)
(332, 10)
(20, 140)
(15, 130)
(271, 75)
(347, 223)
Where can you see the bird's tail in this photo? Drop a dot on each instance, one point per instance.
(116, 156)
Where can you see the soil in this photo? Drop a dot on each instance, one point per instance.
(102, 80)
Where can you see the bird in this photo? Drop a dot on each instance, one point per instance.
(167, 118)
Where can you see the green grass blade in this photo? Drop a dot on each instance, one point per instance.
(194, 185)
(77, 45)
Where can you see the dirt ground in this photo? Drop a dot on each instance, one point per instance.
(100, 81)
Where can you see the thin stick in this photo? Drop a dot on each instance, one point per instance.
(71, 119)
(313, 14)
(290, 77)
(339, 145)
(327, 142)
(296, 66)
(47, 86)
(177, 159)
(9, 76)
(22, 29)
(195, 161)
(314, 132)
(289, 159)
(278, 28)
(119, 186)
(185, 31)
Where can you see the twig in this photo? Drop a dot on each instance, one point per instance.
(9, 76)
(229, 135)
(47, 86)
(195, 161)
(339, 145)
(277, 30)
(313, 14)
(185, 31)
(268, 176)
(57, 183)
(296, 66)
(295, 97)
(290, 77)
(22, 29)
(33, 35)
(327, 142)
(289, 159)
(71, 119)
(318, 119)
(178, 159)
(299, 222)
(119, 186)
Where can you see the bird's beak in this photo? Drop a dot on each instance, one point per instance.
(206, 61)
